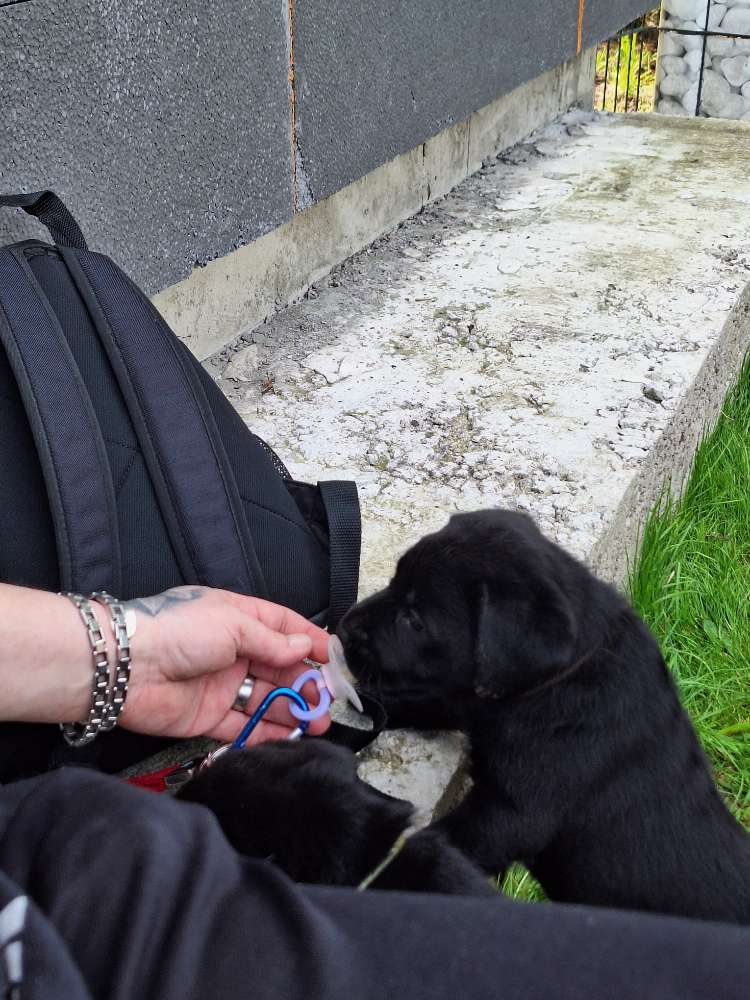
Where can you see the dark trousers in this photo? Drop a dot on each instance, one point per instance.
(135, 896)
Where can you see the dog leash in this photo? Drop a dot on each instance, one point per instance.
(352, 737)
(167, 778)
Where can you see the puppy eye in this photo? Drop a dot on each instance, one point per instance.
(410, 617)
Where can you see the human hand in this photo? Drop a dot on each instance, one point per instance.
(191, 650)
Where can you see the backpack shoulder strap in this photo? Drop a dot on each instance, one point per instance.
(66, 432)
(51, 212)
(345, 541)
(175, 427)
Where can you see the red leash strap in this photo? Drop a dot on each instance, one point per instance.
(157, 781)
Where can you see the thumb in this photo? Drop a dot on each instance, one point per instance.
(262, 644)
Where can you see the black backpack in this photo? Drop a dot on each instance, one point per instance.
(124, 468)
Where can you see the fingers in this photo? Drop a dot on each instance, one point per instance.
(286, 678)
(262, 644)
(278, 712)
(285, 621)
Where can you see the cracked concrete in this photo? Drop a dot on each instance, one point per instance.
(553, 335)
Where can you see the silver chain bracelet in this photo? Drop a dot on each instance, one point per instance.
(119, 690)
(78, 734)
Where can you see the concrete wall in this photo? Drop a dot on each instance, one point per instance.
(603, 17)
(180, 131)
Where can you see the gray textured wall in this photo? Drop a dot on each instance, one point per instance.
(370, 88)
(168, 127)
(603, 17)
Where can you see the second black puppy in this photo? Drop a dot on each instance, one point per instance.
(302, 804)
(585, 766)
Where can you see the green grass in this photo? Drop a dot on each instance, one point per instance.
(521, 884)
(637, 58)
(691, 583)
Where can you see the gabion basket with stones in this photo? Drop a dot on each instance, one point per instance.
(704, 59)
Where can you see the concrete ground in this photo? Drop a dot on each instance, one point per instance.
(553, 335)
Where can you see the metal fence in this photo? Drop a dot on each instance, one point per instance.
(626, 67)
(627, 64)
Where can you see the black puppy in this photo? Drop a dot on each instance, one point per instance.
(302, 804)
(585, 766)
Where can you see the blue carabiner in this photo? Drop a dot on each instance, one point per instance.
(261, 710)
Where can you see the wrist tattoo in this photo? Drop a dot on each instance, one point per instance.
(152, 606)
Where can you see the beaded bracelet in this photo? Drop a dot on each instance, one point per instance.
(78, 734)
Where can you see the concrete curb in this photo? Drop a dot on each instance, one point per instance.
(669, 461)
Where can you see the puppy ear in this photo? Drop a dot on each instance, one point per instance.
(521, 642)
